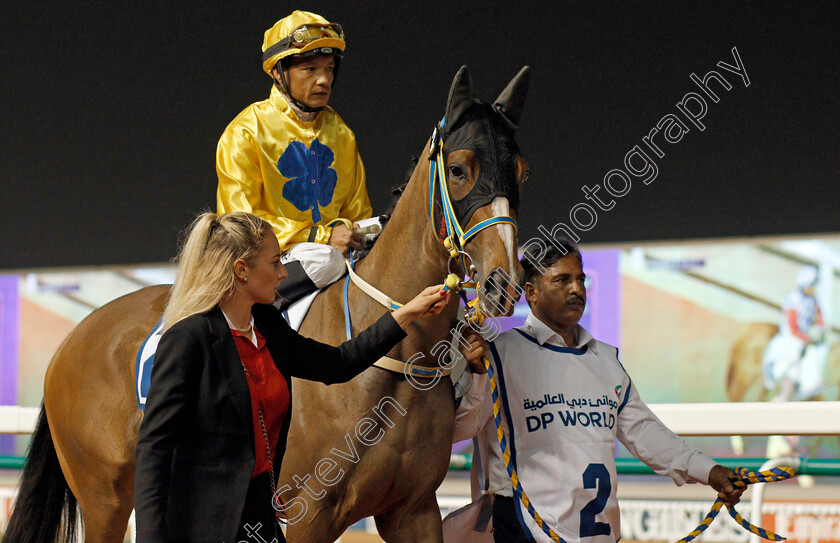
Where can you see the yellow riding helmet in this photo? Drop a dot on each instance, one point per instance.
(300, 33)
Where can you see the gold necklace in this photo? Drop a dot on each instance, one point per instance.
(243, 330)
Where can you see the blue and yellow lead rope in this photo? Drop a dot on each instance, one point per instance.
(744, 478)
(514, 478)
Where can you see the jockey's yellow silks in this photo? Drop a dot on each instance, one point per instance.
(293, 174)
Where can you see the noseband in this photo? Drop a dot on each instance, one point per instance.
(455, 240)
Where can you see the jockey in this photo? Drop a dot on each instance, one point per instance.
(795, 358)
(292, 161)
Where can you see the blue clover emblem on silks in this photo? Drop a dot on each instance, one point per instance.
(311, 180)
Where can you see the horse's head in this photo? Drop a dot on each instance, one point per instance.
(484, 172)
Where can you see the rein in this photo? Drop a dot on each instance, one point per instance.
(454, 241)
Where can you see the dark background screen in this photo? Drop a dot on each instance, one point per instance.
(112, 112)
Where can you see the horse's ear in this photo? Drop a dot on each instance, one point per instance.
(511, 100)
(460, 96)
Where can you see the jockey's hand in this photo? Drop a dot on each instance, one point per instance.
(344, 239)
(432, 301)
(474, 348)
(367, 235)
(816, 335)
(719, 479)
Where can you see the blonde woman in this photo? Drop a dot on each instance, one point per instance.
(219, 404)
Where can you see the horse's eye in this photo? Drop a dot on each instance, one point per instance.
(456, 171)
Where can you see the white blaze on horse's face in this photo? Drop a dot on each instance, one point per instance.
(495, 256)
(501, 208)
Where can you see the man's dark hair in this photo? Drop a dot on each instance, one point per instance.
(533, 262)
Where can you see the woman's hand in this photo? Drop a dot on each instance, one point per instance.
(432, 301)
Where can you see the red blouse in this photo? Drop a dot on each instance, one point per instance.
(269, 392)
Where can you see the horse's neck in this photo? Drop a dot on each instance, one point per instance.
(406, 259)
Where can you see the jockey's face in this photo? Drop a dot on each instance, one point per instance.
(310, 79)
(559, 297)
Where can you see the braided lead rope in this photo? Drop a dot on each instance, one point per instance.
(514, 478)
(745, 477)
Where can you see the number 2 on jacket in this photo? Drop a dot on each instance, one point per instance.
(595, 476)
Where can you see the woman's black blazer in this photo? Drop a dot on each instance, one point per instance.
(195, 454)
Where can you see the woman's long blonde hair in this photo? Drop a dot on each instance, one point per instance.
(205, 264)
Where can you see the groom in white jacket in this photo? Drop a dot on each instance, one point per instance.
(566, 399)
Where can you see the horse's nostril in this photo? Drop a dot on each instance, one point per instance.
(497, 282)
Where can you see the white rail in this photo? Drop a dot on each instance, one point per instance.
(686, 419)
(18, 420)
(694, 419)
(751, 419)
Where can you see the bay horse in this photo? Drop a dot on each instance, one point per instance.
(82, 451)
(745, 380)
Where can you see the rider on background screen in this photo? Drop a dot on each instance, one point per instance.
(795, 358)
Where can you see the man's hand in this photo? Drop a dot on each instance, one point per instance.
(719, 479)
(344, 239)
(476, 351)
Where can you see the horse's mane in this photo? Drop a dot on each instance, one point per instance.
(505, 147)
(397, 192)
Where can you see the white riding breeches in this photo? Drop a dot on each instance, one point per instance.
(322, 263)
(787, 356)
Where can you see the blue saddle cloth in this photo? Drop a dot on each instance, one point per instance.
(143, 366)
